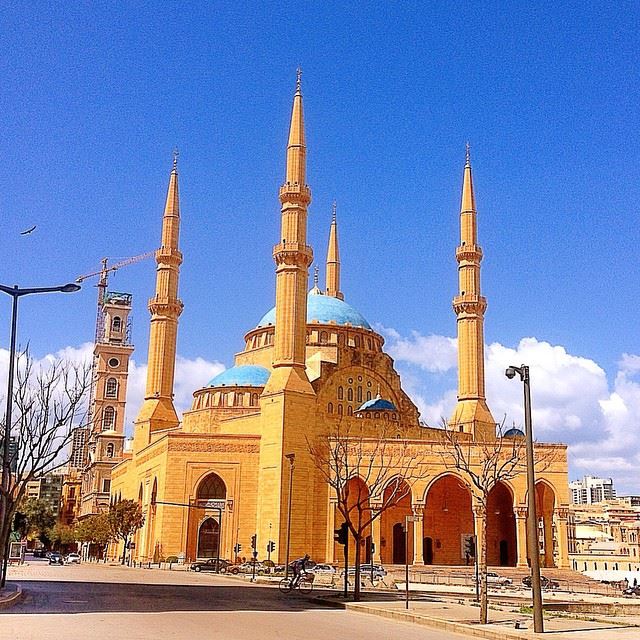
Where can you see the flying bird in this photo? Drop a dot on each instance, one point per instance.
(28, 231)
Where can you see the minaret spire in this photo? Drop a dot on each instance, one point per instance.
(471, 412)
(158, 411)
(292, 255)
(333, 259)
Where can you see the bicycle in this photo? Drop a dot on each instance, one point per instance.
(303, 583)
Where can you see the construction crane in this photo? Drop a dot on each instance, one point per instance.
(104, 280)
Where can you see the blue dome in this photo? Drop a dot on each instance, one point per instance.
(246, 375)
(378, 404)
(514, 433)
(325, 310)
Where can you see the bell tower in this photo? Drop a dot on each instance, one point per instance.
(471, 414)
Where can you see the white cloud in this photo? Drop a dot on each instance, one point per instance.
(572, 400)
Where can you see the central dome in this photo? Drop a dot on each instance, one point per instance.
(324, 310)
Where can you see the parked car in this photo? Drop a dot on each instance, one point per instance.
(379, 571)
(323, 568)
(496, 579)
(55, 558)
(73, 558)
(212, 564)
(247, 567)
(38, 553)
(545, 583)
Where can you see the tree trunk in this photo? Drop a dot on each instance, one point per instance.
(124, 549)
(356, 586)
(484, 596)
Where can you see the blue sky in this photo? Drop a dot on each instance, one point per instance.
(96, 95)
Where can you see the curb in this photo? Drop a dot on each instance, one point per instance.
(12, 599)
(437, 623)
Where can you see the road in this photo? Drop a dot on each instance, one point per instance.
(93, 601)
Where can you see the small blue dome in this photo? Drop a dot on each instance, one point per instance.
(246, 375)
(325, 310)
(378, 404)
(514, 433)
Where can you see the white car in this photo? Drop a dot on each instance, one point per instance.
(496, 579)
(73, 558)
(323, 568)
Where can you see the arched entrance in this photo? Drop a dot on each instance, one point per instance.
(545, 504)
(357, 494)
(208, 538)
(392, 521)
(448, 520)
(501, 527)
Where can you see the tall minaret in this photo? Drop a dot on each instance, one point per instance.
(288, 403)
(333, 259)
(471, 414)
(158, 411)
(293, 257)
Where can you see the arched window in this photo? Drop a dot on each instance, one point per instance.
(350, 394)
(116, 324)
(254, 399)
(139, 495)
(108, 419)
(340, 393)
(212, 488)
(111, 388)
(330, 407)
(110, 450)
(237, 400)
(339, 409)
(356, 341)
(349, 410)
(369, 344)
(154, 493)
(368, 395)
(359, 394)
(324, 338)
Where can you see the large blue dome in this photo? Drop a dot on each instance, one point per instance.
(245, 375)
(325, 310)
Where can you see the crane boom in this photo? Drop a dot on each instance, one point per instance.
(114, 267)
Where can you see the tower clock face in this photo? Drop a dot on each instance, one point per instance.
(113, 362)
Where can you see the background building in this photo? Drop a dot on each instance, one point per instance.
(591, 490)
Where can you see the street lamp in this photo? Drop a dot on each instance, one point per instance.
(16, 293)
(291, 457)
(532, 519)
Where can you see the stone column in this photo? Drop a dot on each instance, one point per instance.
(375, 535)
(521, 536)
(562, 517)
(479, 515)
(418, 512)
(331, 525)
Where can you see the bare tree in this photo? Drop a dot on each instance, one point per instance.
(484, 464)
(369, 470)
(48, 402)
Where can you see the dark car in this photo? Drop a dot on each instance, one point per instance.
(545, 583)
(631, 591)
(55, 558)
(213, 564)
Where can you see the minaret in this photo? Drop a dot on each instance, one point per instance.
(158, 411)
(471, 414)
(333, 259)
(288, 403)
(293, 257)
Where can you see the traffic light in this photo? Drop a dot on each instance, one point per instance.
(237, 549)
(340, 535)
(254, 541)
(271, 546)
(470, 547)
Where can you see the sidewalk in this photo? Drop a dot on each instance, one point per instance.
(505, 622)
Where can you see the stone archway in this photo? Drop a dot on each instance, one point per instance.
(448, 521)
(501, 527)
(392, 523)
(208, 538)
(545, 505)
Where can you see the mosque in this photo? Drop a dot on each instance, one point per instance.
(239, 461)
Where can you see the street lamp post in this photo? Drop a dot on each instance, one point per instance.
(16, 293)
(532, 519)
(291, 457)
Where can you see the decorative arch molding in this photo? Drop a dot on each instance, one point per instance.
(210, 476)
(423, 499)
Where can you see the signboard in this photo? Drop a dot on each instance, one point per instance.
(214, 504)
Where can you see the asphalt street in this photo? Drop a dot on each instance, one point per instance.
(93, 601)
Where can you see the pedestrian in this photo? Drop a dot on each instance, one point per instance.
(635, 582)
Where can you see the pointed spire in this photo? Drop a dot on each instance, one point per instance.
(171, 218)
(333, 258)
(296, 148)
(468, 197)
